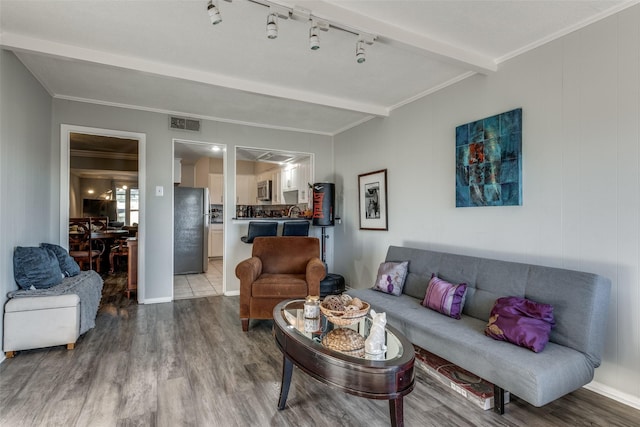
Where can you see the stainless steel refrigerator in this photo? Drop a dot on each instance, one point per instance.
(190, 230)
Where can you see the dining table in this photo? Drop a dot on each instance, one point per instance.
(109, 234)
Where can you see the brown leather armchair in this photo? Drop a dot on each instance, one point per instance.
(280, 268)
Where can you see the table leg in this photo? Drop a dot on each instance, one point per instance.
(287, 370)
(396, 413)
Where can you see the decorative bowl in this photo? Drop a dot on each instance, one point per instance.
(345, 341)
(345, 317)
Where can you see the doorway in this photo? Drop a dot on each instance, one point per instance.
(198, 172)
(71, 194)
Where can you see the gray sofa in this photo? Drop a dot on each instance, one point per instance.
(580, 302)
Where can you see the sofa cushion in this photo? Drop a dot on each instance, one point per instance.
(415, 285)
(522, 322)
(445, 297)
(391, 277)
(280, 285)
(37, 267)
(68, 265)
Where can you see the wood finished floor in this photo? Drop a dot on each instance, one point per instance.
(188, 363)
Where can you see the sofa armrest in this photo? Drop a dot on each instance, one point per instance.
(316, 271)
(247, 271)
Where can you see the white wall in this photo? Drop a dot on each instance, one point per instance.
(25, 136)
(159, 171)
(581, 171)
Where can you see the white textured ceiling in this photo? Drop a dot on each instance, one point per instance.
(166, 56)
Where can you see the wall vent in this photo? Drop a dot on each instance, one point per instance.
(183, 123)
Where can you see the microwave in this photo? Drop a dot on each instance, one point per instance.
(264, 191)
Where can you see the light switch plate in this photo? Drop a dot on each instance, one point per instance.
(159, 190)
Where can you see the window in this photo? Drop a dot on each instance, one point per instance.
(128, 205)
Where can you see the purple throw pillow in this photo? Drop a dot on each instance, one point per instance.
(391, 277)
(522, 322)
(445, 297)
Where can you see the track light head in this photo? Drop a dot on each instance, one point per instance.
(360, 54)
(272, 26)
(214, 13)
(314, 39)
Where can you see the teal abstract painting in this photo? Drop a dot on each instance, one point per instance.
(489, 161)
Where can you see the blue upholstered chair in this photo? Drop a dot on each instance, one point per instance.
(295, 228)
(260, 228)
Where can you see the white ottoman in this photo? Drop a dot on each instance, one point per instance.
(35, 322)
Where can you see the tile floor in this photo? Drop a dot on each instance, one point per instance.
(186, 286)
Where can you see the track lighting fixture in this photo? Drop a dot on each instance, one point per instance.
(272, 26)
(360, 54)
(297, 13)
(214, 13)
(363, 38)
(314, 39)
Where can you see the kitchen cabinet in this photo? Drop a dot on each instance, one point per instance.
(246, 190)
(177, 171)
(216, 240)
(303, 177)
(276, 188)
(216, 188)
(201, 170)
(290, 178)
(264, 176)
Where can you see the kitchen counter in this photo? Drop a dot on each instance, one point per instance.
(278, 219)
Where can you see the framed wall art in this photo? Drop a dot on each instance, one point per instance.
(489, 161)
(372, 190)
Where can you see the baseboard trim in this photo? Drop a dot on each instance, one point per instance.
(612, 393)
(231, 293)
(157, 300)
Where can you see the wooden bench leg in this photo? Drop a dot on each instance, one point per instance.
(10, 354)
(245, 325)
(71, 346)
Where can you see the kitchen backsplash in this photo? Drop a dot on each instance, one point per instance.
(256, 211)
(267, 211)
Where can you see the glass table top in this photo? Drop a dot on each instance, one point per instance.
(316, 330)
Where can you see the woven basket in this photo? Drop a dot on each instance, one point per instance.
(346, 341)
(345, 318)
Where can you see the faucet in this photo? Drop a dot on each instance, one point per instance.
(291, 209)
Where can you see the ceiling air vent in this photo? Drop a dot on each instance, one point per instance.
(183, 123)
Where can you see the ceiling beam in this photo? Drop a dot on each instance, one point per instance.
(398, 37)
(20, 43)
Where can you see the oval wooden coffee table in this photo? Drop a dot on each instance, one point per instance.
(390, 377)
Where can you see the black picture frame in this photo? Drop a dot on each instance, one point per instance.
(372, 195)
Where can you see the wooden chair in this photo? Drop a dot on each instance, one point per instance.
(118, 251)
(99, 224)
(81, 247)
